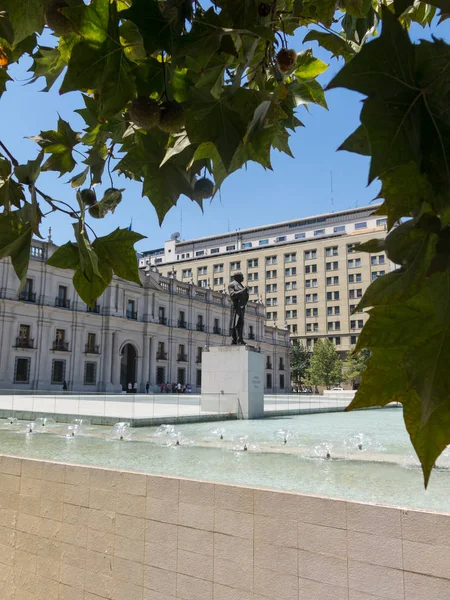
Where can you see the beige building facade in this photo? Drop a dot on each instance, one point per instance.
(155, 333)
(307, 273)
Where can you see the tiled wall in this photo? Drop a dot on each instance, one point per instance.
(81, 533)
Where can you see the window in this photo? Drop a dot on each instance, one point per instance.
(235, 266)
(200, 325)
(319, 232)
(377, 260)
(27, 293)
(162, 315)
(353, 339)
(187, 273)
(272, 315)
(331, 266)
(271, 260)
(311, 283)
(253, 290)
(356, 278)
(294, 328)
(198, 378)
(361, 225)
(202, 283)
(332, 295)
(308, 342)
(230, 248)
(158, 260)
(246, 245)
(161, 353)
(181, 319)
(352, 294)
(333, 310)
(291, 257)
(90, 373)
(218, 280)
(376, 274)
(281, 381)
(198, 357)
(339, 229)
(282, 238)
(382, 222)
(199, 253)
(252, 263)
(353, 263)
(312, 312)
(311, 269)
(181, 353)
(351, 307)
(60, 338)
(263, 242)
(218, 268)
(271, 274)
(160, 375)
(331, 251)
(353, 247)
(90, 345)
(202, 270)
(252, 277)
(22, 370)
(291, 299)
(299, 236)
(62, 300)
(290, 271)
(269, 381)
(310, 254)
(333, 280)
(24, 333)
(311, 297)
(214, 251)
(357, 324)
(271, 287)
(181, 376)
(290, 285)
(58, 371)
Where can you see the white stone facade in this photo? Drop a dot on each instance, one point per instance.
(49, 336)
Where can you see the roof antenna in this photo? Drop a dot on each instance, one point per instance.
(331, 189)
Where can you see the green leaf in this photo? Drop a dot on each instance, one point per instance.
(259, 119)
(376, 245)
(65, 257)
(180, 143)
(96, 160)
(27, 17)
(410, 345)
(30, 172)
(306, 92)
(98, 60)
(59, 144)
(4, 78)
(132, 41)
(331, 42)
(117, 251)
(11, 192)
(152, 26)
(307, 66)
(16, 234)
(47, 63)
(357, 142)
(79, 179)
(414, 248)
(212, 120)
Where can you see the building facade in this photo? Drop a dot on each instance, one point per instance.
(155, 333)
(307, 273)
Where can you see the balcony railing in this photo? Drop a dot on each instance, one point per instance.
(182, 324)
(281, 368)
(92, 349)
(217, 330)
(251, 336)
(200, 327)
(62, 302)
(61, 346)
(182, 358)
(198, 360)
(131, 314)
(161, 356)
(163, 320)
(268, 365)
(96, 309)
(26, 296)
(24, 342)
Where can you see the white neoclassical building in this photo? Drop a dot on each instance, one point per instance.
(155, 333)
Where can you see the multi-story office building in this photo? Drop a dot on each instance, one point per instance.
(308, 273)
(155, 333)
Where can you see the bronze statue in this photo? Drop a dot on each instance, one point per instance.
(239, 299)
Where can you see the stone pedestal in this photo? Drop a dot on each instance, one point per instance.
(233, 380)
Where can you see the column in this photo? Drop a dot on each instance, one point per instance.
(145, 370)
(43, 356)
(105, 384)
(115, 366)
(5, 350)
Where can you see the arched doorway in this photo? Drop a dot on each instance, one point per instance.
(128, 361)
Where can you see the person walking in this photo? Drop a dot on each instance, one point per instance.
(64, 386)
(147, 387)
(135, 388)
(130, 388)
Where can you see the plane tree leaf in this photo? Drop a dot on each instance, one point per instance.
(59, 144)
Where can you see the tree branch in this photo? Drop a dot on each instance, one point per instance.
(10, 156)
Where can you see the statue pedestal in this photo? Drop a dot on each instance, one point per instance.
(233, 381)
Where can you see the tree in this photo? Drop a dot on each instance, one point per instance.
(326, 366)
(179, 94)
(354, 366)
(300, 362)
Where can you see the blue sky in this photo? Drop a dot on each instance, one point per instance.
(295, 188)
